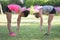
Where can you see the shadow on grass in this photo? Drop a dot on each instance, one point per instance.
(30, 33)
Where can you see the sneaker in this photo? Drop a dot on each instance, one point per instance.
(47, 34)
(12, 34)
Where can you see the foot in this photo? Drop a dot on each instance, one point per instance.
(12, 34)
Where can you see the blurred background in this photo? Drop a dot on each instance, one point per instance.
(30, 26)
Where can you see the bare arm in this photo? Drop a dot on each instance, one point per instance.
(41, 19)
(19, 19)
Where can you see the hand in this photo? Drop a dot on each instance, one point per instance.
(18, 29)
(41, 28)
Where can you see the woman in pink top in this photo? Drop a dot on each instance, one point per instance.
(22, 12)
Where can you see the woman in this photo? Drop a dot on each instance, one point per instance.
(22, 12)
(46, 9)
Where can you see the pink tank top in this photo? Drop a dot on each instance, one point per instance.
(28, 9)
(23, 9)
(14, 7)
(37, 7)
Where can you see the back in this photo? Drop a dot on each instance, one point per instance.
(14, 7)
(47, 8)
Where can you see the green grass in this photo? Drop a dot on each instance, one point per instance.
(31, 31)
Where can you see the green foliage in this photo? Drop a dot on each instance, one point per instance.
(4, 3)
(29, 3)
(34, 2)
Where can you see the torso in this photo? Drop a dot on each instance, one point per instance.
(47, 9)
(14, 7)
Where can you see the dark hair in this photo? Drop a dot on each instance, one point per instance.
(36, 15)
(26, 12)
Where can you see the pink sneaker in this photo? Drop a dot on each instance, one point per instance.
(12, 34)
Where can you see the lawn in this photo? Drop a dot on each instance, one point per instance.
(30, 29)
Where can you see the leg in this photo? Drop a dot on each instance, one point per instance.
(19, 20)
(50, 18)
(8, 16)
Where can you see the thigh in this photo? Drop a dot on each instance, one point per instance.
(50, 17)
(8, 16)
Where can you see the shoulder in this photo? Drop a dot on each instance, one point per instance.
(47, 6)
